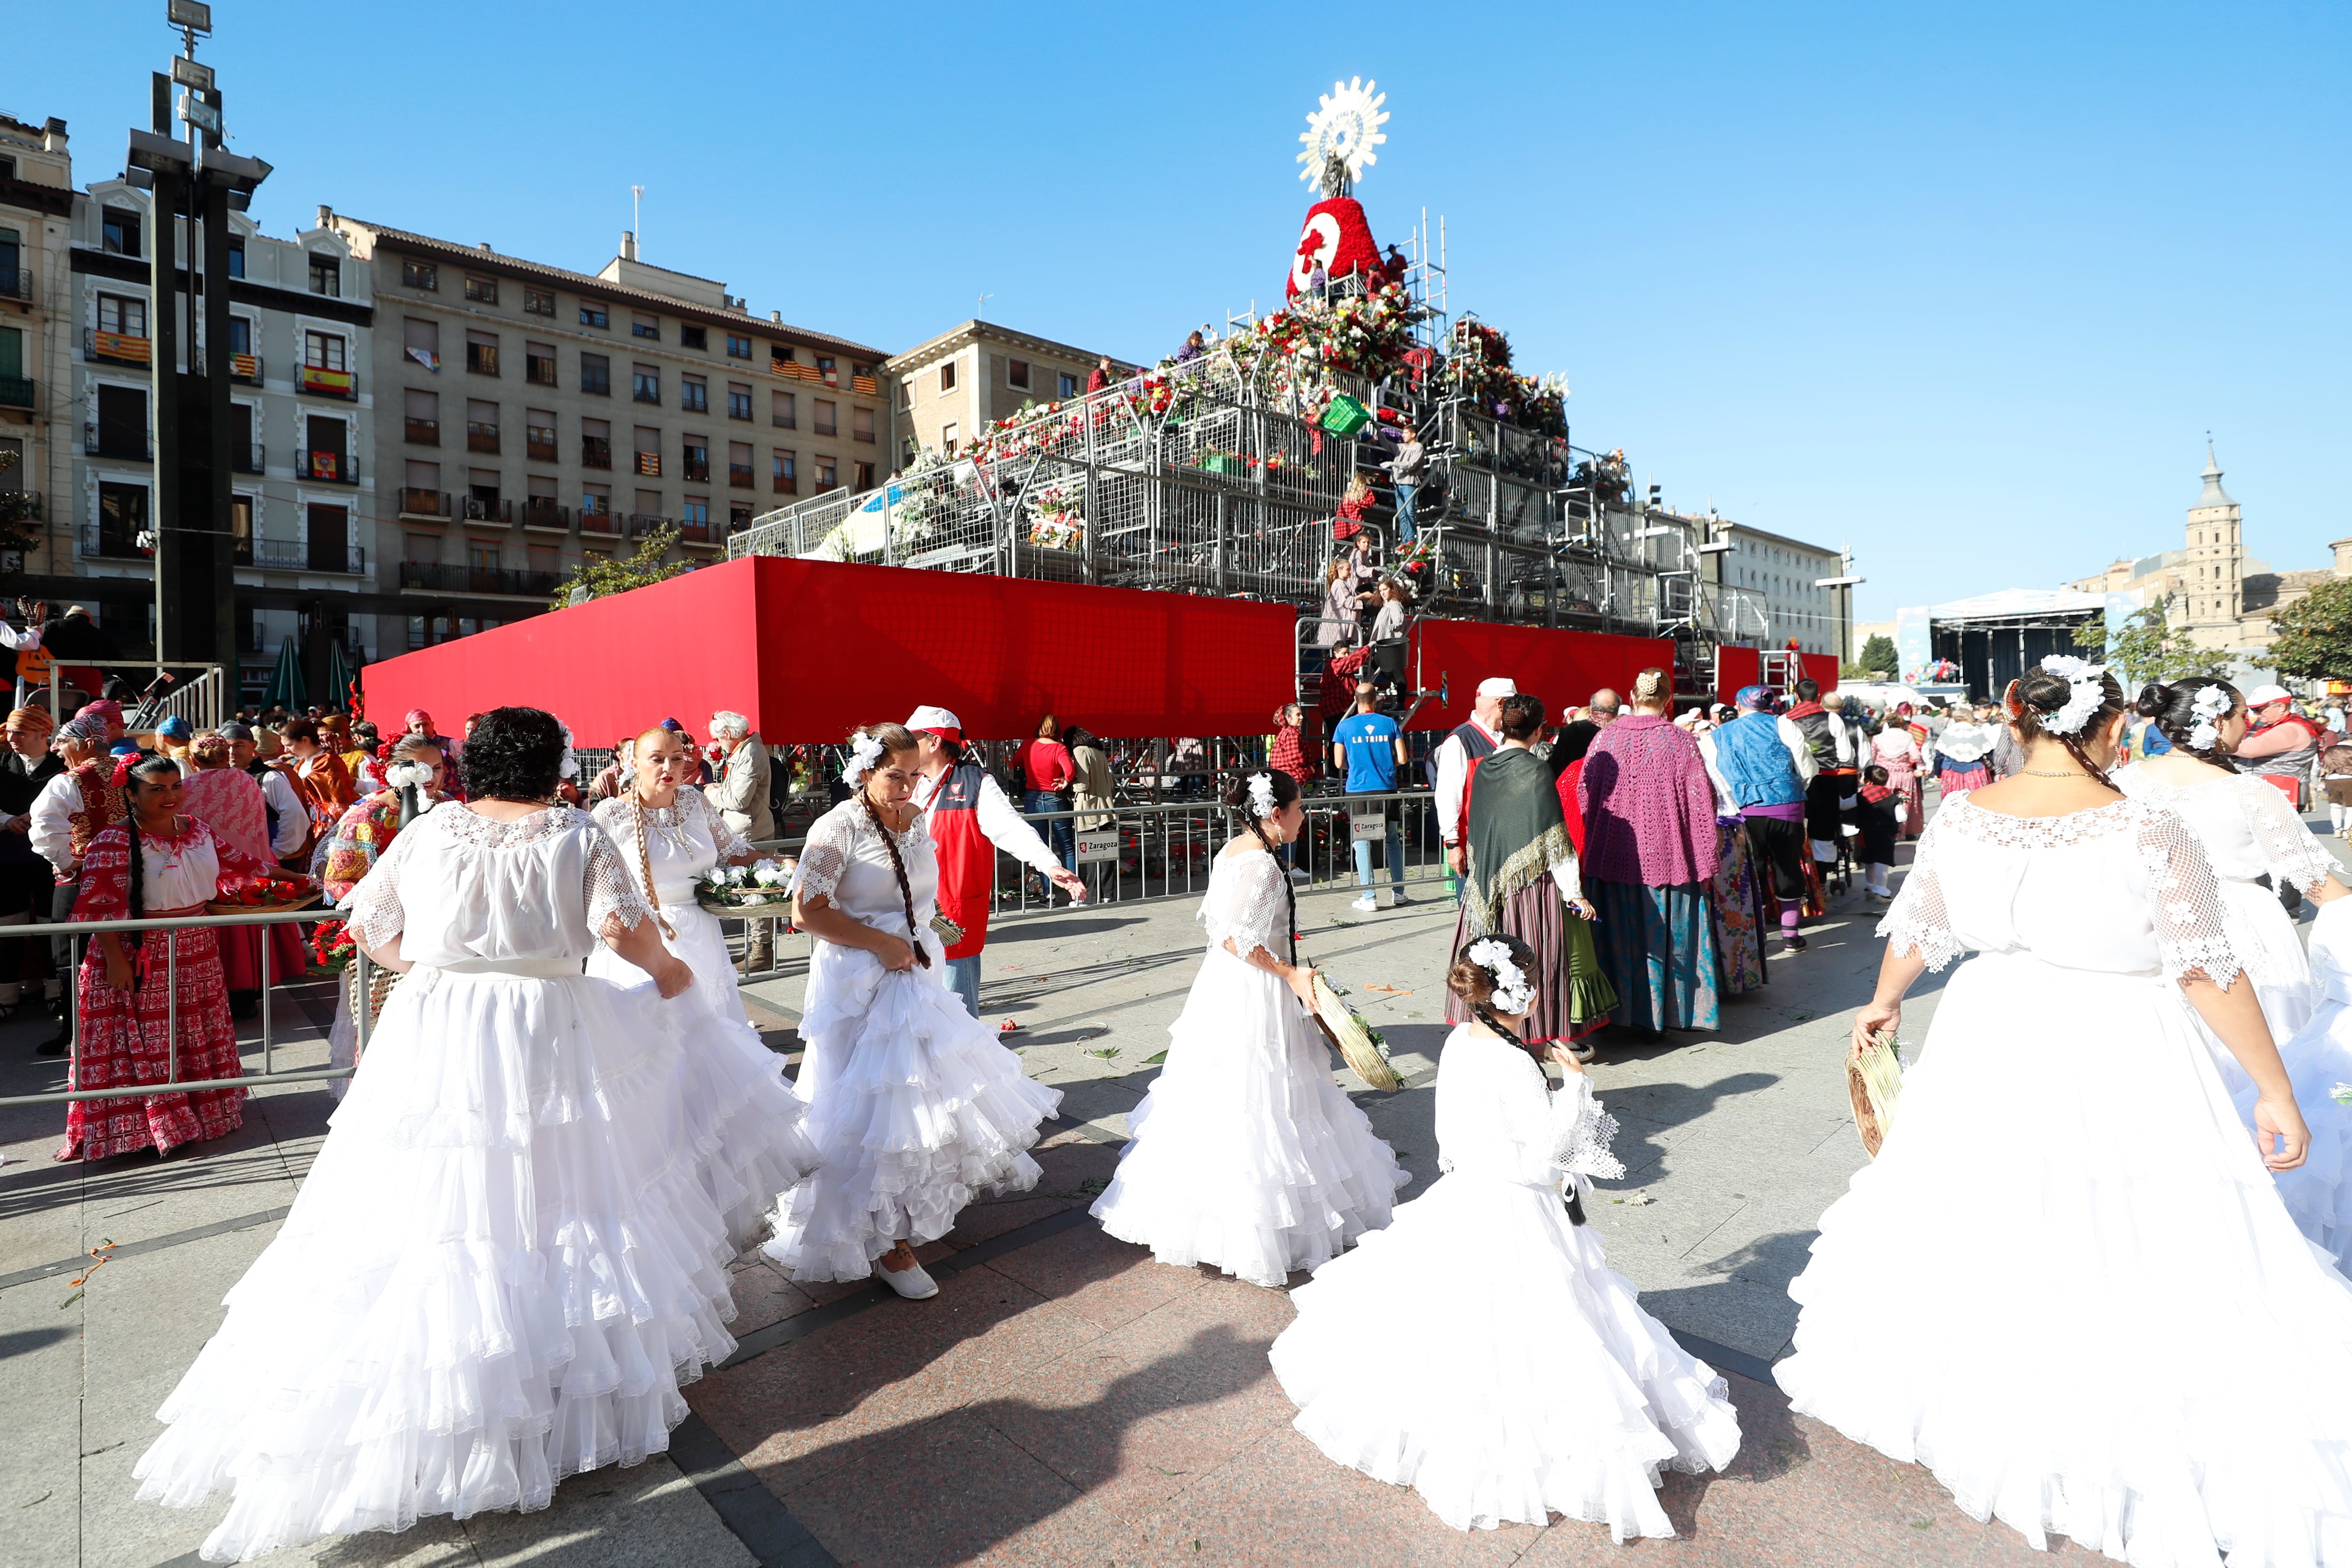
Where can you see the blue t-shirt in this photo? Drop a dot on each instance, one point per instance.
(1371, 740)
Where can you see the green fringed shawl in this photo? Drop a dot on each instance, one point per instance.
(1516, 833)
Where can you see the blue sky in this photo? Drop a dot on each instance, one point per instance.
(1960, 287)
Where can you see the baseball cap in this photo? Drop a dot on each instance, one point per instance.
(1498, 686)
(936, 721)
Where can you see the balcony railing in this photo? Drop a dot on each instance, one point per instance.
(739, 476)
(649, 464)
(821, 428)
(116, 348)
(302, 555)
(506, 581)
(539, 372)
(596, 452)
(244, 369)
(97, 541)
(703, 533)
(863, 385)
(421, 431)
(416, 503)
(643, 522)
(539, 451)
(15, 391)
(15, 283)
(329, 467)
(129, 445)
(481, 437)
(545, 514)
(610, 524)
(785, 484)
(483, 509)
(697, 473)
(248, 457)
(319, 381)
(481, 359)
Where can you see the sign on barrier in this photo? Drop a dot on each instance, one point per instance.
(1098, 847)
(1367, 827)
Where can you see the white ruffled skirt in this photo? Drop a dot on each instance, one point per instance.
(501, 1267)
(744, 1123)
(1244, 1153)
(915, 1109)
(1540, 1387)
(2068, 1287)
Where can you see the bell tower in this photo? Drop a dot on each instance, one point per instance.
(2216, 565)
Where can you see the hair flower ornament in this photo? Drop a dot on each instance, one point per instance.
(2087, 684)
(569, 766)
(863, 753)
(408, 776)
(1512, 988)
(1261, 792)
(2211, 705)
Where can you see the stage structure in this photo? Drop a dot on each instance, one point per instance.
(1222, 474)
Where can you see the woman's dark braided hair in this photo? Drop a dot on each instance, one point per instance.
(1470, 980)
(2036, 695)
(146, 770)
(2174, 708)
(896, 739)
(1286, 790)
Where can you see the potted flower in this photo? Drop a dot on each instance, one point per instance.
(758, 888)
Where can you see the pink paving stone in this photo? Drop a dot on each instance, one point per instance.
(764, 1297)
(1111, 1281)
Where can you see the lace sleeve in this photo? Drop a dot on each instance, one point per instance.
(731, 842)
(372, 910)
(615, 902)
(1917, 922)
(2184, 902)
(2292, 853)
(1562, 1133)
(824, 859)
(1246, 907)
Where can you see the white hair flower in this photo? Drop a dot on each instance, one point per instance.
(2211, 705)
(1512, 986)
(569, 767)
(408, 776)
(2087, 681)
(1261, 793)
(863, 753)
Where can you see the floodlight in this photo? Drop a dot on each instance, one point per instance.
(193, 15)
(191, 73)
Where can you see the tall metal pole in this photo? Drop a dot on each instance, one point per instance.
(163, 373)
(217, 642)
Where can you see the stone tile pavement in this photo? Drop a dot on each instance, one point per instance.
(1064, 1400)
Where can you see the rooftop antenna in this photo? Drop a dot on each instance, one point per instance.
(981, 304)
(636, 194)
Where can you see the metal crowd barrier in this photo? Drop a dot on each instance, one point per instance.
(77, 930)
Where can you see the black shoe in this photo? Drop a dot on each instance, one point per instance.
(56, 1045)
(1793, 944)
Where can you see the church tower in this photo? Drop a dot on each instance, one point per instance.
(2216, 567)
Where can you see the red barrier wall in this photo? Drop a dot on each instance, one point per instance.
(807, 649)
(1737, 667)
(1563, 668)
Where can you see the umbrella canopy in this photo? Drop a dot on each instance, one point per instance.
(338, 679)
(286, 687)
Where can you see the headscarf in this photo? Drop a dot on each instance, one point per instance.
(104, 708)
(175, 728)
(1757, 697)
(32, 718)
(1515, 833)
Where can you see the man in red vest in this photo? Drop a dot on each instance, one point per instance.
(970, 819)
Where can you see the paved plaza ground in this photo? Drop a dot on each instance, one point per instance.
(1064, 1400)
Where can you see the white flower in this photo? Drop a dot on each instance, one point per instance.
(1512, 988)
(407, 775)
(2088, 692)
(768, 873)
(863, 753)
(1261, 791)
(738, 875)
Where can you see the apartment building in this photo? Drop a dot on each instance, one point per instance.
(953, 386)
(303, 480)
(36, 419)
(533, 415)
(1768, 596)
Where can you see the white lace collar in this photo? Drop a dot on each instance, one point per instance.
(463, 822)
(1971, 821)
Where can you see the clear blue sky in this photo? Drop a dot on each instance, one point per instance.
(1962, 286)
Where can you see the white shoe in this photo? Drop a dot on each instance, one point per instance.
(1368, 903)
(909, 1281)
(1299, 874)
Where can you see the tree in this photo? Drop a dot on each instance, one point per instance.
(1878, 654)
(2314, 633)
(600, 575)
(2150, 648)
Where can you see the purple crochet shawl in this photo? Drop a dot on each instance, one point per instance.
(1649, 811)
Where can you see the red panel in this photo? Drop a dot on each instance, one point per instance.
(1737, 667)
(1823, 668)
(1564, 668)
(808, 649)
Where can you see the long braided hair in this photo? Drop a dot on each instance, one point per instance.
(1473, 983)
(1286, 790)
(147, 770)
(638, 823)
(2036, 695)
(894, 739)
(2174, 708)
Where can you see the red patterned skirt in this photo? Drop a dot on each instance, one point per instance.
(121, 1038)
(240, 954)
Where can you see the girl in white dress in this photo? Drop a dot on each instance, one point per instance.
(1544, 1387)
(914, 1106)
(1245, 1154)
(499, 1268)
(2067, 1285)
(745, 1118)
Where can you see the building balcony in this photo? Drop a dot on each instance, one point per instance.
(596, 452)
(327, 467)
(15, 283)
(304, 555)
(125, 445)
(245, 370)
(649, 464)
(785, 484)
(101, 542)
(644, 523)
(116, 348)
(15, 391)
(821, 428)
(706, 535)
(865, 435)
(739, 476)
(481, 360)
(486, 511)
(317, 380)
(606, 524)
(501, 582)
(545, 517)
(864, 386)
(540, 452)
(248, 457)
(481, 438)
(421, 504)
(696, 473)
(421, 431)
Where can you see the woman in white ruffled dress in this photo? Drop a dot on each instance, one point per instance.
(502, 1263)
(1545, 1388)
(914, 1106)
(1245, 1154)
(744, 1116)
(2067, 1285)
(2250, 829)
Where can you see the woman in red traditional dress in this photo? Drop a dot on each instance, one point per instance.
(227, 800)
(320, 780)
(153, 864)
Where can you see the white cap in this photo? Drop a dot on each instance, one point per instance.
(2262, 697)
(927, 718)
(1497, 686)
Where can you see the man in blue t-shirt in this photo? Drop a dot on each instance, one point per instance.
(1370, 748)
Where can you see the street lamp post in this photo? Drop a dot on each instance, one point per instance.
(1845, 585)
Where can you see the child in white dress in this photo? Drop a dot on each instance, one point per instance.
(1543, 1386)
(1246, 1155)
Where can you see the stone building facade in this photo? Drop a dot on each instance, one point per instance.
(38, 428)
(951, 387)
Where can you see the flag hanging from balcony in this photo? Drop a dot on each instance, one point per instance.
(428, 358)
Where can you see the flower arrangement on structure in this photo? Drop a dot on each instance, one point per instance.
(1056, 515)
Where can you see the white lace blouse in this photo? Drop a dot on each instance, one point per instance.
(456, 887)
(1247, 904)
(683, 840)
(846, 861)
(2248, 827)
(2123, 889)
(1497, 1117)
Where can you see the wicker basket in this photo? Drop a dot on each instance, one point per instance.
(379, 983)
(1353, 1039)
(275, 906)
(1874, 1082)
(760, 900)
